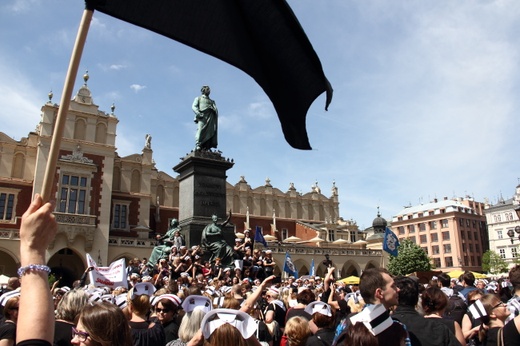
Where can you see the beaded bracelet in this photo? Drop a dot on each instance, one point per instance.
(33, 267)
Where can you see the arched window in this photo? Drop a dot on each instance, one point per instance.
(101, 133)
(18, 166)
(80, 129)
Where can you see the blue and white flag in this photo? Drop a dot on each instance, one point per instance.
(289, 266)
(259, 236)
(390, 242)
(313, 270)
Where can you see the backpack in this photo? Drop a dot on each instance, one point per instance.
(456, 308)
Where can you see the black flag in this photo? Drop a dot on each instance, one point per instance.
(263, 38)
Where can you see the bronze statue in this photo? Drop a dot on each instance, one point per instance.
(165, 246)
(206, 117)
(212, 240)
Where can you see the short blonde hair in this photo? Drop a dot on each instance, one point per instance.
(297, 331)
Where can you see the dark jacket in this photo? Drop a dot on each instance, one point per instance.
(424, 331)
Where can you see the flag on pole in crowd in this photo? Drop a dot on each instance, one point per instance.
(313, 270)
(390, 242)
(289, 266)
(259, 237)
(262, 38)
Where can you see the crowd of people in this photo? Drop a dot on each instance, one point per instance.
(208, 304)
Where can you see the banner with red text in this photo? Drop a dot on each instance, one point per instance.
(112, 276)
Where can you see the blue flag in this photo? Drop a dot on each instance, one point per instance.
(390, 242)
(289, 266)
(259, 237)
(313, 270)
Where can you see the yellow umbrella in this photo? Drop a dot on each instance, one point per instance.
(351, 280)
(454, 274)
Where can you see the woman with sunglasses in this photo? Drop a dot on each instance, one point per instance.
(166, 310)
(497, 312)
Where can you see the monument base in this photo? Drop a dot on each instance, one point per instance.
(202, 193)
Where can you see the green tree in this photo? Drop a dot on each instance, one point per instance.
(410, 258)
(492, 263)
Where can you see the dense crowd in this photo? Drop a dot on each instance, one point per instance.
(183, 300)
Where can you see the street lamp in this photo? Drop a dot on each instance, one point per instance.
(511, 233)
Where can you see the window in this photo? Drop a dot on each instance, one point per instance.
(425, 249)
(411, 228)
(477, 248)
(497, 218)
(467, 222)
(285, 233)
(423, 238)
(514, 253)
(401, 230)
(412, 239)
(499, 234)
(433, 224)
(447, 248)
(475, 235)
(437, 262)
(331, 235)
(120, 215)
(73, 194)
(435, 250)
(422, 227)
(470, 247)
(434, 237)
(7, 203)
(449, 261)
(469, 235)
(446, 235)
(509, 216)
(461, 222)
(444, 223)
(502, 253)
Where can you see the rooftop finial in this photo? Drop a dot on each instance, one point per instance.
(50, 94)
(85, 77)
(113, 108)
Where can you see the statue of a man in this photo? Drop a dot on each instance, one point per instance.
(212, 240)
(166, 241)
(206, 117)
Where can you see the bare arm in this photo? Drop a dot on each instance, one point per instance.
(458, 334)
(251, 300)
(332, 302)
(36, 309)
(467, 330)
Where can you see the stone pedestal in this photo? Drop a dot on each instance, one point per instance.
(202, 193)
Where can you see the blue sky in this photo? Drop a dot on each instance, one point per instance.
(425, 97)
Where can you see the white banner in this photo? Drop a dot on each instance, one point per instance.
(112, 276)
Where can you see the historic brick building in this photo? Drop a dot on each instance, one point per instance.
(112, 206)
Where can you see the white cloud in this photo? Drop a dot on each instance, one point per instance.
(137, 88)
(20, 6)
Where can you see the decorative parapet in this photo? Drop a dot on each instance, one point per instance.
(132, 242)
(333, 251)
(75, 219)
(10, 234)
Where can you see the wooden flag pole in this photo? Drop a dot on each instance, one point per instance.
(50, 169)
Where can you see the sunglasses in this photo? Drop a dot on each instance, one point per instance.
(159, 310)
(499, 305)
(81, 336)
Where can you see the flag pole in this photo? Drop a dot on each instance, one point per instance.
(50, 169)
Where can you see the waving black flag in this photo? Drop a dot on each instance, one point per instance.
(263, 38)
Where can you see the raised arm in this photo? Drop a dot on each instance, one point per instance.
(38, 228)
(251, 300)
